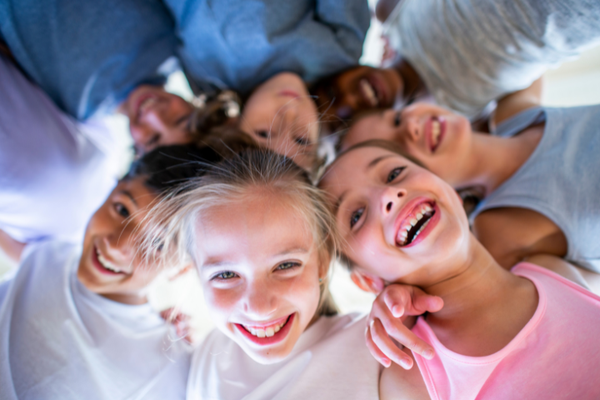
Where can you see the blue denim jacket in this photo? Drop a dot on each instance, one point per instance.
(88, 55)
(238, 44)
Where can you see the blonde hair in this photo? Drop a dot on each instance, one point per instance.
(171, 234)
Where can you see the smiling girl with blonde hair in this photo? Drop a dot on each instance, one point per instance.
(262, 239)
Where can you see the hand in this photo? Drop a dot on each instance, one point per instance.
(180, 321)
(391, 310)
(389, 54)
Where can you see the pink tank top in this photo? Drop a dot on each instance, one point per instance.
(555, 356)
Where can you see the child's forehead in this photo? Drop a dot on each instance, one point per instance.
(356, 162)
(251, 227)
(137, 189)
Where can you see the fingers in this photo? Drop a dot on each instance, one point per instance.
(167, 313)
(397, 298)
(410, 300)
(397, 330)
(375, 352)
(387, 347)
(423, 302)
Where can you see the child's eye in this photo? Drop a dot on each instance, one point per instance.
(262, 134)
(225, 275)
(287, 265)
(394, 174)
(122, 210)
(397, 119)
(355, 217)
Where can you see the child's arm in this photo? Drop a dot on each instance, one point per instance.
(391, 317)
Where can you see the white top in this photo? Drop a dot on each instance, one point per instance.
(54, 171)
(329, 361)
(60, 341)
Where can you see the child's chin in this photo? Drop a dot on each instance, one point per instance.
(268, 356)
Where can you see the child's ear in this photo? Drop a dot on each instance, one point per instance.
(367, 282)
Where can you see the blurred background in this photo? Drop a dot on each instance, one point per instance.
(572, 84)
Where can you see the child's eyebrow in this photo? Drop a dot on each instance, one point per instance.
(377, 161)
(128, 194)
(292, 250)
(216, 264)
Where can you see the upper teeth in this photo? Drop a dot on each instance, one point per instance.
(435, 127)
(423, 210)
(105, 263)
(369, 92)
(266, 331)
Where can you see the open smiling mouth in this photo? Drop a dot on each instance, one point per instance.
(369, 93)
(414, 224)
(105, 265)
(267, 334)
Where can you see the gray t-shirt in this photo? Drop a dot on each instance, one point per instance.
(471, 52)
(561, 179)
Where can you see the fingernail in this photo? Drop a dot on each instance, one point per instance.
(406, 364)
(428, 354)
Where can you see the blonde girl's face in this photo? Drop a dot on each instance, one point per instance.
(398, 221)
(282, 116)
(260, 273)
(437, 137)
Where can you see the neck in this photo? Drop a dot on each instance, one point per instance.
(131, 299)
(475, 286)
(493, 160)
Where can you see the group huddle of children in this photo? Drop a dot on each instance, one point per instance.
(496, 304)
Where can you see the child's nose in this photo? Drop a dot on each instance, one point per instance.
(260, 302)
(390, 198)
(119, 246)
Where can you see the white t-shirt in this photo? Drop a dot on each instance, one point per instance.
(329, 361)
(54, 171)
(60, 341)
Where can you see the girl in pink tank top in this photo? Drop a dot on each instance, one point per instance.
(524, 334)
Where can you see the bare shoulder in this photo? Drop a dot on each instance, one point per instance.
(397, 383)
(583, 277)
(510, 234)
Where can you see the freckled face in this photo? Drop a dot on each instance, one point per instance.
(398, 221)
(438, 138)
(260, 273)
(281, 115)
(110, 264)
